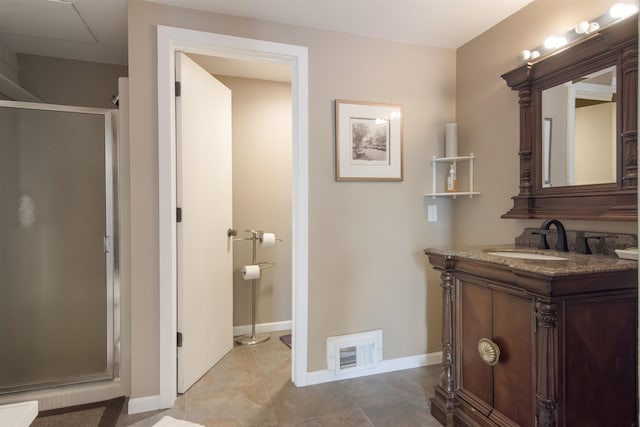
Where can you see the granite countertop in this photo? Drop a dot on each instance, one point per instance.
(575, 263)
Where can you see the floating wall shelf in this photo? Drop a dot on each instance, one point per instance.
(470, 158)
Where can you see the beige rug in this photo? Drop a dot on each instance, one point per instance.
(168, 421)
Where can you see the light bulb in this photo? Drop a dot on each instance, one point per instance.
(618, 10)
(582, 27)
(550, 42)
(525, 54)
(621, 10)
(535, 54)
(561, 41)
(594, 26)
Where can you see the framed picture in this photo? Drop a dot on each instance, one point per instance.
(368, 141)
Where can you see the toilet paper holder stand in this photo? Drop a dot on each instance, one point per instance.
(256, 236)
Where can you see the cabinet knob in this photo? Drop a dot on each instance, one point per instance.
(489, 351)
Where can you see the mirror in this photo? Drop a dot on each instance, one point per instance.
(578, 129)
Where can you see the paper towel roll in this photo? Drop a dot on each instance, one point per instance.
(250, 272)
(267, 240)
(451, 140)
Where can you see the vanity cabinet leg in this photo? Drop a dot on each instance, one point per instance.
(442, 404)
(546, 381)
(630, 119)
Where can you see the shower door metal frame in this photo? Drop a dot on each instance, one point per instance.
(111, 244)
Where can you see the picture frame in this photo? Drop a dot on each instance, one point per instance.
(368, 141)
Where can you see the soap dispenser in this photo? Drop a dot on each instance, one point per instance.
(452, 181)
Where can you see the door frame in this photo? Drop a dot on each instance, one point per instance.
(173, 39)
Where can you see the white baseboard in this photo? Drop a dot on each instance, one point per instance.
(144, 404)
(399, 364)
(262, 328)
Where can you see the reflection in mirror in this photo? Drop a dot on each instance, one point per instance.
(579, 131)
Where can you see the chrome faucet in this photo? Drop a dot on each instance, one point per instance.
(561, 242)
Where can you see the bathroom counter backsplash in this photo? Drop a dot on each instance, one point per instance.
(601, 243)
(573, 264)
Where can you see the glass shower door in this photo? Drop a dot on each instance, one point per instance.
(56, 246)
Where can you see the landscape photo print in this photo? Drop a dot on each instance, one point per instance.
(368, 141)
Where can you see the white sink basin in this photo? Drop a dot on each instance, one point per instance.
(527, 255)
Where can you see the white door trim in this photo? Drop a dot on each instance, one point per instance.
(170, 40)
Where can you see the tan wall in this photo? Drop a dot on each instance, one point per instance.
(366, 266)
(261, 194)
(488, 117)
(70, 82)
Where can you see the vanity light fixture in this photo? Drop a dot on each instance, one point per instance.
(581, 30)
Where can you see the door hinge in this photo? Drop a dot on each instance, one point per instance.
(179, 342)
(105, 244)
(178, 89)
(178, 214)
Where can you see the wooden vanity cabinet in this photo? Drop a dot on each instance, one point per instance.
(567, 347)
(503, 392)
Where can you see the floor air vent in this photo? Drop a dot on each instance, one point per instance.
(354, 352)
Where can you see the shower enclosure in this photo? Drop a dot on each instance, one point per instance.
(59, 297)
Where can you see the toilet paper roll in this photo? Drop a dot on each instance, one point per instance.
(451, 140)
(267, 240)
(250, 272)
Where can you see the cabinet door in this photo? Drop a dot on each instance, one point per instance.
(476, 377)
(513, 325)
(505, 392)
(600, 339)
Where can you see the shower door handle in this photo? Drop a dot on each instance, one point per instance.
(232, 232)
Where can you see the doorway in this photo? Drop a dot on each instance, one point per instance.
(171, 40)
(261, 129)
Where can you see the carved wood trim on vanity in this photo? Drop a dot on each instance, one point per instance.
(442, 404)
(630, 119)
(547, 344)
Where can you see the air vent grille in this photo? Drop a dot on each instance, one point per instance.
(348, 357)
(349, 353)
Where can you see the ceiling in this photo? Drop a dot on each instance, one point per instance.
(96, 30)
(88, 30)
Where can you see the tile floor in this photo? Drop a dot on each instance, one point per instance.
(251, 386)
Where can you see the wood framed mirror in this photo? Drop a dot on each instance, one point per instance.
(573, 166)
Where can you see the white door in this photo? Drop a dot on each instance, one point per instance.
(205, 265)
